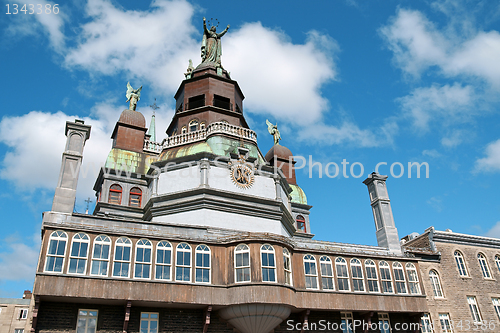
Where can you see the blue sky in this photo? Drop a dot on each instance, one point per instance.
(365, 81)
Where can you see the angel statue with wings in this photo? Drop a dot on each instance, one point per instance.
(273, 130)
(133, 95)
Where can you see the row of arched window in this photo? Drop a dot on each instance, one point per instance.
(115, 196)
(179, 263)
(483, 264)
(342, 272)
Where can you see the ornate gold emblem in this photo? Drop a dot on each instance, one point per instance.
(242, 175)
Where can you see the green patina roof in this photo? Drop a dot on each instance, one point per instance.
(129, 161)
(218, 145)
(298, 195)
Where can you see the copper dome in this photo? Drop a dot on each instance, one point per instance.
(281, 152)
(133, 118)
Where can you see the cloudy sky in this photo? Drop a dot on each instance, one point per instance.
(365, 81)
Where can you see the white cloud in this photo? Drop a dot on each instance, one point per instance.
(494, 231)
(448, 104)
(491, 162)
(455, 52)
(18, 260)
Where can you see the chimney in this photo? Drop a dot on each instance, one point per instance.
(387, 234)
(64, 198)
(27, 294)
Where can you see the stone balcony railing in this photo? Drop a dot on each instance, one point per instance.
(200, 135)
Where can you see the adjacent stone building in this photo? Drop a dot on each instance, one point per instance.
(15, 314)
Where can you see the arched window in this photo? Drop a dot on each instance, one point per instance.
(287, 265)
(371, 276)
(242, 263)
(385, 276)
(202, 273)
(311, 272)
(325, 264)
(497, 261)
(268, 263)
(100, 256)
(484, 266)
(399, 278)
(183, 263)
(115, 194)
(184, 130)
(135, 197)
(78, 254)
(413, 284)
(459, 259)
(301, 223)
(436, 284)
(163, 261)
(142, 267)
(358, 283)
(342, 274)
(56, 252)
(202, 125)
(121, 263)
(193, 125)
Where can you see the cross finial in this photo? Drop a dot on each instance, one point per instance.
(88, 201)
(154, 107)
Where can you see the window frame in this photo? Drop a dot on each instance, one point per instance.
(347, 322)
(384, 265)
(497, 262)
(138, 193)
(161, 246)
(202, 249)
(111, 189)
(399, 283)
(239, 250)
(483, 264)
(287, 258)
(23, 313)
(149, 320)
(339, 261)
(299, 219)
(60, 236)
(324, 262)
(87, 316)
(71, 257)
(383, 319)
(370, 263)
(426, 324)
(189, 267)
(146, 245)
(269, 250)
(356, 263)
(474, 309)
(193, 122)
(496, 305)
(309, 258)
(411, 272)
(127, 244)
(436, 281)
(446, 327)
(98, 240)
(460, 262)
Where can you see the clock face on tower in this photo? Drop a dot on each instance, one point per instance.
(242, 175)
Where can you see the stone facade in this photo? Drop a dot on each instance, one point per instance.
(16, 314)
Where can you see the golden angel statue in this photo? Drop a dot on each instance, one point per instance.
(273, 130)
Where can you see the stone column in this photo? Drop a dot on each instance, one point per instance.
(387, 234)
(64, 197)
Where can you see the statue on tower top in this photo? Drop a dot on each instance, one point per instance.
(273, 130)
(211, 49)
(133, 95)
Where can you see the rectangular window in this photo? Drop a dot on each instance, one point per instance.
(149, 322)
(426, 324)
(474, 310)
(311, 273)
(222, 102)
(399, 278)
(357, 277)
(196, 102)
(242, 263)
(163, 260)
(496, 305)
(326, 274)
(384, 323)
(445, 322)
(346, 324)
(23, 314)
(18, 330)
(371, 276)
(87, 321)
(385, 276)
